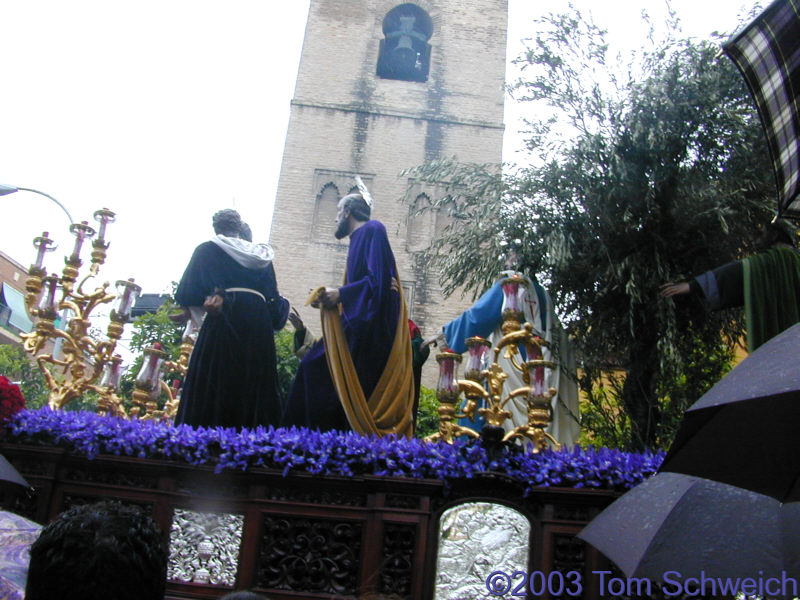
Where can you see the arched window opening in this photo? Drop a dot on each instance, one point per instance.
(404, 52)
(419, 231)
(325, 213)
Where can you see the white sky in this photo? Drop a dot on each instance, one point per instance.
(167, 110)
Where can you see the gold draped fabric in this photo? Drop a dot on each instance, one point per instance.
(388, 409)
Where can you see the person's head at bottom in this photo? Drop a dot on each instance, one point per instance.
(98, 552)
(243, 596)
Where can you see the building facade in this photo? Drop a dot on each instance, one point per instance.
(384, 86)
(14, 318)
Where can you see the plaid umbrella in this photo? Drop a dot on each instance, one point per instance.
(767, 52)
(17, 534)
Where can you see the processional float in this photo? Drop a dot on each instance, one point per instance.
(88, 362)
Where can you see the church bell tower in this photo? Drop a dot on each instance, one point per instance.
(384, 86)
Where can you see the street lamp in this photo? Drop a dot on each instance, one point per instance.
(10, 189)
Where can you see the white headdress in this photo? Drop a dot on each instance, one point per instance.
(364, 192)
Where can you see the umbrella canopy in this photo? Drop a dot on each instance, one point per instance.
(9, 473)
(744, 430)
(767, 52)
(673, 529)
(17, 534)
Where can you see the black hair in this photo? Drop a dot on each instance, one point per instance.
(96, 552)
(777, 232)
(227, 222)
(246, 233)
(243, 596)
(357, 206)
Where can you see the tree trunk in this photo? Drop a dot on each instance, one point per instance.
(639, 391)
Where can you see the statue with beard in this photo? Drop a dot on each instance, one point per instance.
(359, 375)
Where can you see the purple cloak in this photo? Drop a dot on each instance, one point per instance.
(370, 309)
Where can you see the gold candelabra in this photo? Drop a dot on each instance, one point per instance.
(85, 363)
(484, 382)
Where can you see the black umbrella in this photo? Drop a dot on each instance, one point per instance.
(9, 473)
(744, 430)
(674, 528)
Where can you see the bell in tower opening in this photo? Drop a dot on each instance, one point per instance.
(404, 52)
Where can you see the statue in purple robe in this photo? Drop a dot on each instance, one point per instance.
(347, 380)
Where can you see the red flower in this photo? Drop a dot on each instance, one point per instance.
(11, 400)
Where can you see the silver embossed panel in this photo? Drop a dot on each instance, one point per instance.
(476, 539)
(204, 547)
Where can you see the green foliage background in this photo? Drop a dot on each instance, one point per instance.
(639, 173)
(427, 413)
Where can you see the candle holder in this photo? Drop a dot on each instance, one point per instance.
(72, 263)
(492, 397)
(100, 245)
(179, 367)
(512, 313)
(448, 392)
(85, 362)
(148, 385)
(478, 350)
(109, 402)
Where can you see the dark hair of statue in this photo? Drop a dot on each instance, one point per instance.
(96, 552)
(227, 222)
(776, 233)
(357, 206)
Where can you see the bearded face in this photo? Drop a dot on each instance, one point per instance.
(342, 222)
(342, 228)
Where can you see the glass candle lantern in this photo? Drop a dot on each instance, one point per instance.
(512, 312)
(104, 217)
(536, 369)
(447, 387)
(510, 287)
(149, 376)
(127, 293)
(82, 232)
(48, 309)
(477, 358)
(112, 373)
(43, 245)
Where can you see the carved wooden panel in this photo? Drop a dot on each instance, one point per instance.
(569, 554)
(316, 496)
(71, 500)
(399, 541)
(309, 555)
(111, 477)
(402, 501)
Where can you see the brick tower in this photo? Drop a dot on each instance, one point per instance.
(383, 86)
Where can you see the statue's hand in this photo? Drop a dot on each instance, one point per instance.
(213, 304)
(330, 297)
(295, 320)
(674, 289)
(432, 341)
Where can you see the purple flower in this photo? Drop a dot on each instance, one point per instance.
(329, 453)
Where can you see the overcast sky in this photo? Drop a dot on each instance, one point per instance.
(166, 110)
